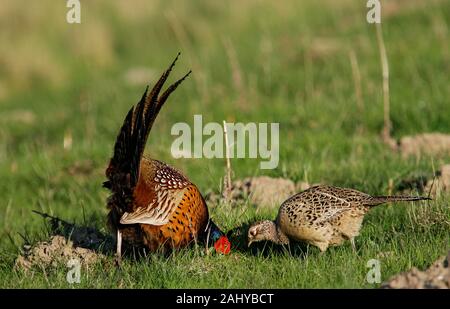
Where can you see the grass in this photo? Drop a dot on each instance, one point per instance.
(252, 61)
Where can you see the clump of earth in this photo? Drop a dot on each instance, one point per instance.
(57, 251)
(435, 277)
(261, 191)
(69, 241)
(434, 144)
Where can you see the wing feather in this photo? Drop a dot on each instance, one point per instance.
(158, 211)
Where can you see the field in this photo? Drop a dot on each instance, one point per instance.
(65, 89)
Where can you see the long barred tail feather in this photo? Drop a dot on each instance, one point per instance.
(377, 200)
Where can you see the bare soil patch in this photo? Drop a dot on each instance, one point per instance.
(68, 241)
(437, 276)
(262, 191)
(57, 251)
(424, 144)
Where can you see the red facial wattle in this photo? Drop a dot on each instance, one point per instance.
(223, 245)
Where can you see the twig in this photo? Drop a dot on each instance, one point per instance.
(207, 237)
(237, 79)
(309, 79)
(434, 178)
(386, 134)
(390, 186)
(227, 182)
(356, 80)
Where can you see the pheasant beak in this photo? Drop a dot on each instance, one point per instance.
(251, 236)
(223, 245)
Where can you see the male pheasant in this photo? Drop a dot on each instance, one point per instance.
(321, 216)
(152, 203)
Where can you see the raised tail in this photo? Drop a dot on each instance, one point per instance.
(123, 169)
(377, 200)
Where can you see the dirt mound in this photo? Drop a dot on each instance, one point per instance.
(58, 251)
(68, 241)
(435, 277)
(261, 191)
(426, 143)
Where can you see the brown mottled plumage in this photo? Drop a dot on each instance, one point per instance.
(321, 216)
(153, 204)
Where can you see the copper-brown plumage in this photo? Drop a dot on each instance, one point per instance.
(153, 204)
(169, 208)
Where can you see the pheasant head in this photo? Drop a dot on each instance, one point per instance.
(218, 238)
(266, 230)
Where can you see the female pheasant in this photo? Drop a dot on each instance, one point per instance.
(321, 216)
(153, 204)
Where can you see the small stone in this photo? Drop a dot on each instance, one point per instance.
(262, 191)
